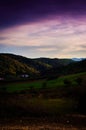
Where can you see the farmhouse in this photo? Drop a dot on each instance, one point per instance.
(24, 75)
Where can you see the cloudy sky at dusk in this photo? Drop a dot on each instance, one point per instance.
(43, 28)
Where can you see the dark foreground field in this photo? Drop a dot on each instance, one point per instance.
(22, 112)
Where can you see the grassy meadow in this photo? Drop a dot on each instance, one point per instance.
(45, 83)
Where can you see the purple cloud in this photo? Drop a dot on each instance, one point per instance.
(16, 12)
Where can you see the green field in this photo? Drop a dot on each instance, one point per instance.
(38, 84)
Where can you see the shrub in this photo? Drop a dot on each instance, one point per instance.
(67, 82)
(79, 81)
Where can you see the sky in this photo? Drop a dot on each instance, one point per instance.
(43, 28)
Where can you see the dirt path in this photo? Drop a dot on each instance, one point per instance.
(73, 122)
(42, 127)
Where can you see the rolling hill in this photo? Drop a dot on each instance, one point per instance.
(14, 66)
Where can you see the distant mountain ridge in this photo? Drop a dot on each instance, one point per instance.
(78, 59)
(15, 65)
